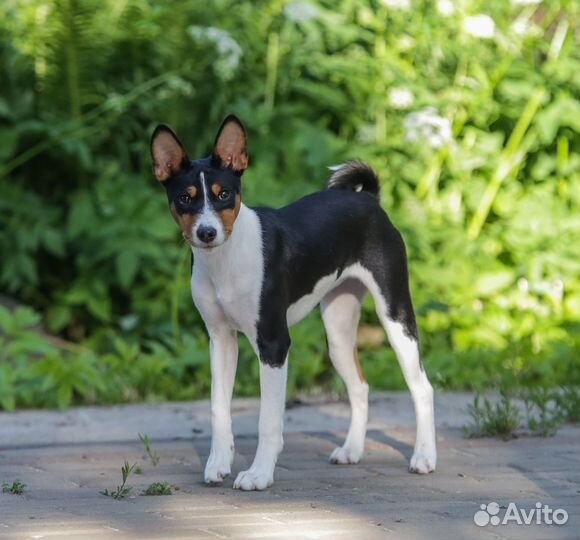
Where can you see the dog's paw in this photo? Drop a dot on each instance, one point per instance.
(345, 456)
(217, 468)
(253, 479)
(424, 460)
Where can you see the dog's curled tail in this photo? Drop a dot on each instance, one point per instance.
(354, 176)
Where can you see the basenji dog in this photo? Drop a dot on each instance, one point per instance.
(261, 270)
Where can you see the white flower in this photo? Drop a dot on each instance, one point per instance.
(520, 27)
(479, 26)
(404, 5)
(427, 125)
(400, 98)
(300, 12)
(523, 26)
(227, 47)
(405, 43)
(468, 82)
(525, 2)
(445, 8)
(367, 133)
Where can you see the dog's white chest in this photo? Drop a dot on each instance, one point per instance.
(239, 304)
(226, 284)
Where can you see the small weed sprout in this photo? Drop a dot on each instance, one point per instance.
(122, 491)
(158, 488)
(153, 455)
(16, 488)
(488, 420)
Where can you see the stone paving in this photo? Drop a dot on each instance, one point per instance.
(65, 459)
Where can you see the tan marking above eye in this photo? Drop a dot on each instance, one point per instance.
(215, 189)
(228, 216)
(191, 191)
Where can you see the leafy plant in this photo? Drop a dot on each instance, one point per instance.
(122, 491)
(501, 419)
(16, 488)
(153, 455)
(158, 488)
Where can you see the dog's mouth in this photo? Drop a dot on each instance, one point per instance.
(201, 245)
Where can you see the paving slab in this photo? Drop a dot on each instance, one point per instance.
(66, 458)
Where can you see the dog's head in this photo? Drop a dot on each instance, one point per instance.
(204, 195)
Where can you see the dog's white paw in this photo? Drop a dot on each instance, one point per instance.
(424, 460)
(218, 467)
(253, 479)
(345, 456)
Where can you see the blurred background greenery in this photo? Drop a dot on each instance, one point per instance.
(468, 110)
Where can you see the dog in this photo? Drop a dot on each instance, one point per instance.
(260, 271)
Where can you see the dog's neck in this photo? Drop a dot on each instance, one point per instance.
(244, 244)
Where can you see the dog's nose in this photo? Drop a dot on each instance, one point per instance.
(206, 234)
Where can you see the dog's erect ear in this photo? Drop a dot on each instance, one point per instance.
(230, 148)
(167, 153)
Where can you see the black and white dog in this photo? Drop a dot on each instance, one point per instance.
(259, 271)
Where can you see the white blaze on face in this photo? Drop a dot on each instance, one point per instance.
(207, 218)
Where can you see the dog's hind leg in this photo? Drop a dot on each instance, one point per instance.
(406, 348)
(389, 285)
(340, 313)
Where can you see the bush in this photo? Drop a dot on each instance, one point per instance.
(471, 122)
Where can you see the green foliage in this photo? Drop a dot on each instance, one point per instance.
(122, 491)
(34, 372)
(16, 488)
(158, 488)
(489, 208)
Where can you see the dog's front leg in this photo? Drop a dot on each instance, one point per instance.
(272, 401)
(224, 359)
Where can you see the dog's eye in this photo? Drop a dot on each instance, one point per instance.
(184, 198)
(224, 195)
